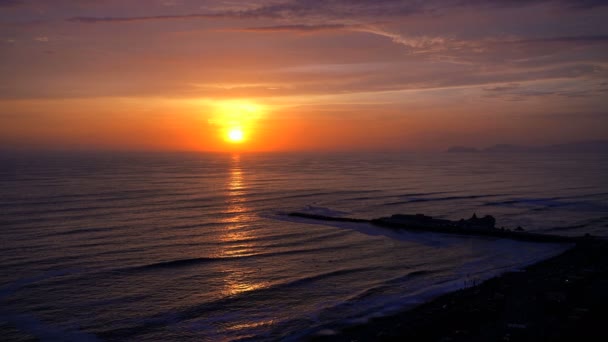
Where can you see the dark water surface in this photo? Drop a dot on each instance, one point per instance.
(196, 246)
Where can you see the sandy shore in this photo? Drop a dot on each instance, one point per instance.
(564, 298)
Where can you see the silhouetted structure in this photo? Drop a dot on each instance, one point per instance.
(485, 226)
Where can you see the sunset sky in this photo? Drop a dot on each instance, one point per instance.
(301, 74)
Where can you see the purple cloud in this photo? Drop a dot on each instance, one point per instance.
(10, 3)
(295, 28)
(339, 9)
(93, 20)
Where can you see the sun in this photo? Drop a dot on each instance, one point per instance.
(236, 135)
(236, 120)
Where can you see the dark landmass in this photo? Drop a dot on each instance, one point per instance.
(564, 298)
(474, 226)
(506, 148)
(596, 146)
(462, 149)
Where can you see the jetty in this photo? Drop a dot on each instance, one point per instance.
(563, 298)
(474, 226)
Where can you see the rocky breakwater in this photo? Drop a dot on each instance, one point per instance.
(480, 226)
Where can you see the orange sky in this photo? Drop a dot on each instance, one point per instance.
(177, 75)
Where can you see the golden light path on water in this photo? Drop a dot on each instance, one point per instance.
(237, 237)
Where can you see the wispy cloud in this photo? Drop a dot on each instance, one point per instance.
(568, 39)
(520, 92)
(295, 28)
(424, 43)
(501, 88)
(441, 50)
(93, 20)
(338, 9)
(499, 49)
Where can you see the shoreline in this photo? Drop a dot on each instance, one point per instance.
(561, 298)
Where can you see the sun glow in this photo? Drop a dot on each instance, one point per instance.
(236, 119)
(236, 135)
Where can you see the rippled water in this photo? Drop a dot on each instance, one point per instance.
(197, 246)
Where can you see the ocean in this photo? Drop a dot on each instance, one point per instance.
(198, 246)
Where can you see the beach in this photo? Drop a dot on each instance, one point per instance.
(563, 298)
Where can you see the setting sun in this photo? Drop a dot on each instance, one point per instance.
(236, 119)
(236, 135)
(282, 169)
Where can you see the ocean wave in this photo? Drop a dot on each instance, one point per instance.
(203, 260)
(214, 311)
(437, 199)
(406, 195)
(551, 202)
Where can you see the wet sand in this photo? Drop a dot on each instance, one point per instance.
(564, 298)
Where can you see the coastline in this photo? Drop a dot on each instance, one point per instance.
(560, 298)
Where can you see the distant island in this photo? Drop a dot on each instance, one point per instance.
(462, 149)
(575, 147)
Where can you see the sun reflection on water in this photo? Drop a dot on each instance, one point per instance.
(235, 183)
(237, 239)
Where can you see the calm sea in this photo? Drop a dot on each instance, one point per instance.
(198, 247)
